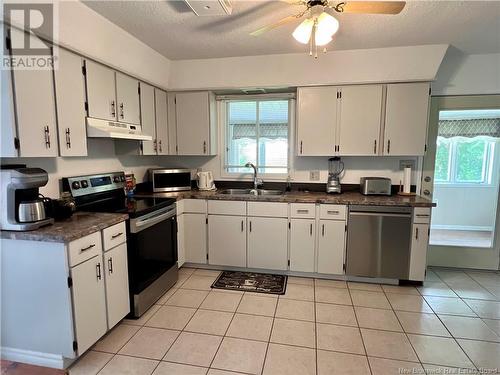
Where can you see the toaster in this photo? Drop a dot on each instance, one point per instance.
(375, 186)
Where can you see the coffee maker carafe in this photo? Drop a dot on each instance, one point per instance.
(335, 170)
(22, 208)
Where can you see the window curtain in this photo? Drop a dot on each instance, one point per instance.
(271, 131)
(469, 128)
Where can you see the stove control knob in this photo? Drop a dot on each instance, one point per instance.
(84, 184)
(116, 179)
(75, 185)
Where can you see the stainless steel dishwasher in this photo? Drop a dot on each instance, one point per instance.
(378, 241)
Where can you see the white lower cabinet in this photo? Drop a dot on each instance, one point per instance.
(418, 257)
(194, 238)
(268, 243)
(117, 291)
(227, 240)
(302, 244)
(331, 246)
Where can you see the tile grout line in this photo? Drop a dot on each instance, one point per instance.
(315, 325)
(271, 333)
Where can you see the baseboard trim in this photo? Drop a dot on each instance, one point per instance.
(35, 358)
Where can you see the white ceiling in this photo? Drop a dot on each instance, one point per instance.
(172, 29)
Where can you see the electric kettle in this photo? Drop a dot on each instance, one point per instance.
(205, 181)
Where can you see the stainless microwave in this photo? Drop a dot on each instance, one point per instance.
(165, 180)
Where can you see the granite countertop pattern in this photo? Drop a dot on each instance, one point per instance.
(347, 198)
(77, 226)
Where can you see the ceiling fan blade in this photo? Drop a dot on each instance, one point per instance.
(281, 22)
(294, 2)
(373, 7)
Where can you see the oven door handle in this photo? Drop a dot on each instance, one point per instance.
(137, 225)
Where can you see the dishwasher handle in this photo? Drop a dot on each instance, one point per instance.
(384, 214)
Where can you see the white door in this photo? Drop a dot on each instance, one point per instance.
(419, 243)
(148, 117)
(302, 244)
(117, 292)
(161, 122)
(89, 302)
(70, 98)
(101, 91)
(268, 243)
(193, 123)
(331, 247)
(227, 240)
(35, 109)
(127, 96)
(195, 238)
(316, 120)
(406, 115)
(360, 119)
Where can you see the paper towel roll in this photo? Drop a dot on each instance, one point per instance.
(406, 179)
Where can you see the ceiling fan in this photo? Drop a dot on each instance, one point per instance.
(319, 26)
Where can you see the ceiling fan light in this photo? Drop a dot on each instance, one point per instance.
(302, 33)
(322, 39)
(327, 25)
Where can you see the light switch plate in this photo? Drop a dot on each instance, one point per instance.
(314, 175)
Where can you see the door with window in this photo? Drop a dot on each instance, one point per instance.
(461, 175)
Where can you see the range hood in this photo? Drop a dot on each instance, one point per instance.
(97, 128)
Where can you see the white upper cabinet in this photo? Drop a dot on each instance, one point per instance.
(406, 116)
(316, 121)
(360, 119)
(70, 99)
(127, 99)
(161, 122)
(195, 126)
(101, 91)
(148, 117)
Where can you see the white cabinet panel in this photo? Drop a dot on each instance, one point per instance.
(101, 91)
(227, 207)
(84, 248)
(331, 247)
(271, 209)
(127, 95)
(360, 119)
(161, 122)
(89, 303)
(406, 116)
(148, 119)
(316, 121)
(418, 256)
(70, 97)
(194, 206)
(332, 211)
(302, 244)
(194, 232)
(268, 243)
(227, 240)
(117, 292)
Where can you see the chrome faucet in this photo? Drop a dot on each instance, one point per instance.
(256, 181)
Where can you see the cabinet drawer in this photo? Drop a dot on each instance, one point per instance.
(114, 235)
(267, 209)
(302, 210)
(227, 208)
(84, 248)
(192, 206)
(332, 211)
(421, 215)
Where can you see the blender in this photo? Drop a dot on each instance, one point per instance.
(335, 170)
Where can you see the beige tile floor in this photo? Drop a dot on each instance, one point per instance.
(319, 327)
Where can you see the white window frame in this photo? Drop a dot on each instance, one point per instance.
(223, 122)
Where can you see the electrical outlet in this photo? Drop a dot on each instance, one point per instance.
(407, 163)
(314, 175)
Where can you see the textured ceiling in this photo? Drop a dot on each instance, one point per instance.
(172, 29)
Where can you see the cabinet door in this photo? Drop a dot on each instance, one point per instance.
(418, 256)
(316, 121)
(302, 241)
(227, 240)
(127, 96)
(70, 98)
(331, 247)
(89, 302)
(161, 122)
(360, 119)
(192, 111)
(268, 243)
(406, 116)
(148, 117)
(35, 109)
(101, 91)
(117, 292)
(195, 238)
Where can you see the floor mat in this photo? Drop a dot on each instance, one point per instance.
(251, 282)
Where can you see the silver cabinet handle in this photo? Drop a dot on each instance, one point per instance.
(250, 226)
(416, 233)
(68, 137)
(311, 229)
(155, 146)
(422, 215)
(116, 235)
(46, 131)
(204, 147)
(302, 211)
(122, 115)
(323, 230)
(112, 110)
(98, 271)
(301, 147)
(160, 146)
(375, 146)
(110, 265)
(87, 248)
(389, 146)
(332, 212)
(242, 225)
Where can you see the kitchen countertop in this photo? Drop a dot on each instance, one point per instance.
(347, 198)
(77, 226)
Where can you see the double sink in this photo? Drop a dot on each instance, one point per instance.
(255, 192)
